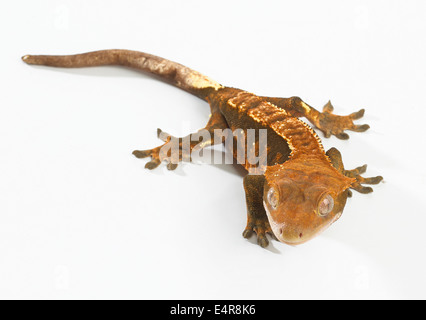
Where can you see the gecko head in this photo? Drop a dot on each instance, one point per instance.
(303, 197)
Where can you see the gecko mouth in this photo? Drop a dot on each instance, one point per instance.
(288, 234)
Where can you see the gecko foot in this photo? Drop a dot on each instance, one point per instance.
(358, 184)
(170, 151)
(331, 124)
(261, 227)
(336, 160)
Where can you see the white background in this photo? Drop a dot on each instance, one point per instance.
(80, 217)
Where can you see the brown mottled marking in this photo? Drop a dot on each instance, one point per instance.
(299, 136)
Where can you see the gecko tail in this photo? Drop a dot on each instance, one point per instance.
(168, 71)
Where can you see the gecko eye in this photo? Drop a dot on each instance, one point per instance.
(273, 198)
(325, 205)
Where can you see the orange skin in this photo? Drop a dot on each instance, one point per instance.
(302, 190)
(301, 184)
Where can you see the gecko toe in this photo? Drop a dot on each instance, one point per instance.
(247, 233)
(342, 136)
(361, 169)
(372, 180)
(357, 115)
(360, 128)
(154, 163)
(172, 166)
(262, 240)
(356, 172)
(141, 153)
(328, 108)
(362, 189)
(164, 136)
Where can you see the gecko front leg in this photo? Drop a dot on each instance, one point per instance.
(257, 220)
(171, 151)
(326, 121)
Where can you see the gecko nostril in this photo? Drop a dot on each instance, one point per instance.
(281, 231)
(300, 235)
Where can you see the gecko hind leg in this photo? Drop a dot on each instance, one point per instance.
(336, 160)
(175, 150)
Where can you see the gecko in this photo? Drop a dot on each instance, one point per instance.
(300, 191)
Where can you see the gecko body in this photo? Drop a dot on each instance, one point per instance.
(301, 189)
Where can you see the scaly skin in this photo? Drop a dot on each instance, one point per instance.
(301, 191)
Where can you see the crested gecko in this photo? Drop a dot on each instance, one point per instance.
(300, 190)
